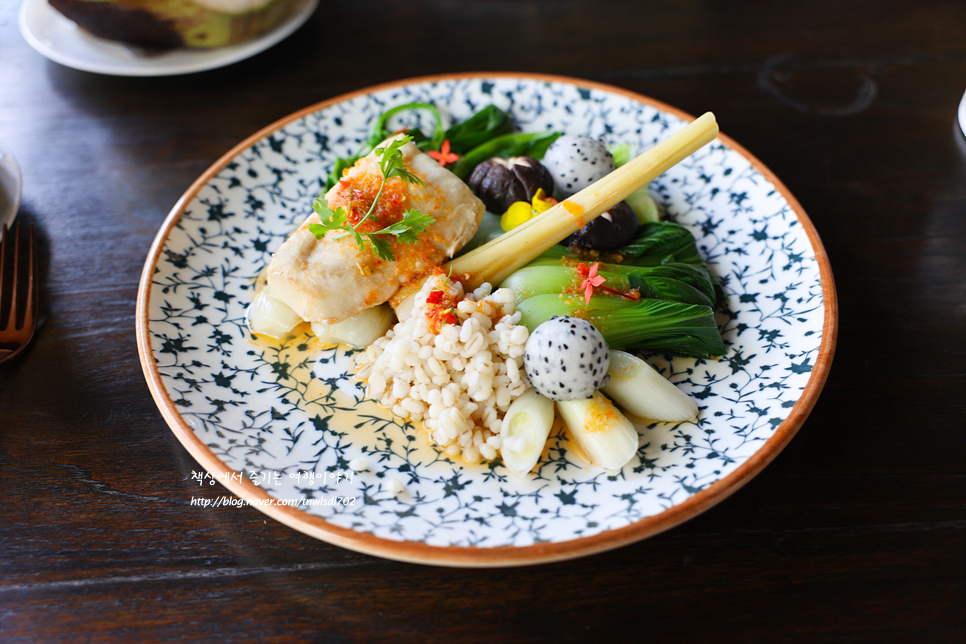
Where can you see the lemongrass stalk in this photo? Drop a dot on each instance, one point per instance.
(601, 430)
(524, 432)
(642, 391)
(494, 261)
(360, 330)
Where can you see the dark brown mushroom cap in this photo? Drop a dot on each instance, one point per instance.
(609, 231)
(500, 182)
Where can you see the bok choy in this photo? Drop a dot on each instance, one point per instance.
(688, 283)
(653, 326)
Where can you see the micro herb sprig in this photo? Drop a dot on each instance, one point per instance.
(405, 230)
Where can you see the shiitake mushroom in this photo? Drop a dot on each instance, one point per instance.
(500, 182)
(610, 231)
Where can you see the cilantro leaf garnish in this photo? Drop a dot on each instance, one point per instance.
(412, 223)
(391, 162)
(405, 230)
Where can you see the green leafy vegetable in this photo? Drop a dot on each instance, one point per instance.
(531, 144)
(685, 283)
(654, 326)
(406, 230)
(622, 153)
(661, 242)
(487, 133)
(486, 124)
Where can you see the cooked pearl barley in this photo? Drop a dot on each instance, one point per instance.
(460, 379)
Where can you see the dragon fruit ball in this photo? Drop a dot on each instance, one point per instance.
(566, 358)
(575, 162)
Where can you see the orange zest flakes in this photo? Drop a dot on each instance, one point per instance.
(574, 209)
(444, 157)
(600, 415)
(355, 197)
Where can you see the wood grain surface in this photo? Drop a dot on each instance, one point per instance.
(855, 533)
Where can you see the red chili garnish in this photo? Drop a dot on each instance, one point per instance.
(434, 297)
(449, 317)
(444, 156)
(632, 295)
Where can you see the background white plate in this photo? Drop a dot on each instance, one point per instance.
(260, 418)
(62, 41)
(11, 185)
(962, 114)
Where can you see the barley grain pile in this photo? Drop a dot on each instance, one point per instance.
(456, 365)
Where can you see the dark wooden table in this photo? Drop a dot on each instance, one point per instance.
(856, 532)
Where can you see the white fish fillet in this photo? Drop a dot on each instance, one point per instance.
(329, 280)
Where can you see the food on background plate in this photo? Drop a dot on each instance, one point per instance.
(170, 24)
(486, 371)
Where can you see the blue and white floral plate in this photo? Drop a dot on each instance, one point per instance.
(279, 425)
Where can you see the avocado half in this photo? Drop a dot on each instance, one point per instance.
(169, 24)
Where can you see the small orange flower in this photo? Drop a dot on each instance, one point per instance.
(444, 156)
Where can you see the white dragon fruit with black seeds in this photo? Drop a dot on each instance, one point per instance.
(576, 162)
(566, 358)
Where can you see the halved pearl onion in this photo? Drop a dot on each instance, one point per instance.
(642, 391)
(524, 431)
(601, 430)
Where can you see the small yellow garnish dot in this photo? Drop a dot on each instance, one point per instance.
(518, 213)
(541, 202)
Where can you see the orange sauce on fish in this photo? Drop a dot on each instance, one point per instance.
(355, 197)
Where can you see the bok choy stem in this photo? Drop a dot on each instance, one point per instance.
(653, 326)
(686, 283)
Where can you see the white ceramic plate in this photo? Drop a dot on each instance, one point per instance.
(278, 425)
(62, 41)
(11, 185)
